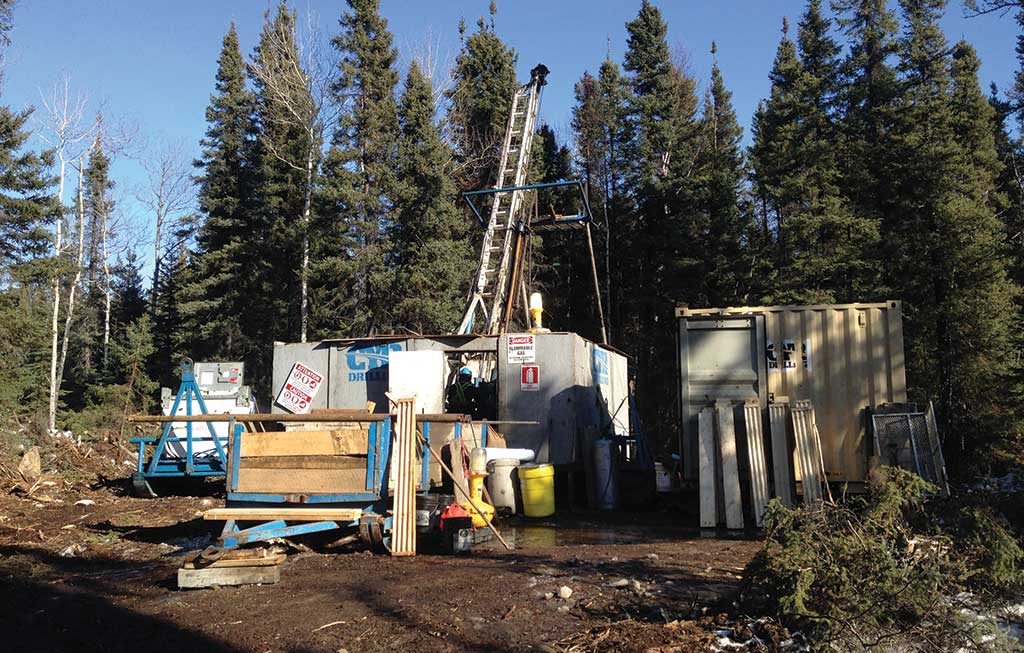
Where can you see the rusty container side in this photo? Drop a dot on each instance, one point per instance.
(844, 358)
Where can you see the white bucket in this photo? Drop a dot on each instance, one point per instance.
(606, 488)
(501, 483)
(662, 479)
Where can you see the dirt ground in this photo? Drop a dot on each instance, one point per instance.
(100, 576)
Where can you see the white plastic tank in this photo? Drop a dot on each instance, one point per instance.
(503, 484)
(606, 490)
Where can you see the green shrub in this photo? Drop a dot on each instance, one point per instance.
(855, 576)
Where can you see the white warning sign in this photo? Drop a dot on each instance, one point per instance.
(299, 389)
(522, 349)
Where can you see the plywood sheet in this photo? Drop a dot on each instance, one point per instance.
(301, 481)
(309, 443)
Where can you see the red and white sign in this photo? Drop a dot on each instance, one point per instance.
(299, 389)
(530, 378)
(522, 349)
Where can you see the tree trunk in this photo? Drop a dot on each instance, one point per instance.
(156, 255)
(58, 243)
(106, 290)
(306, 205)
(79, 265)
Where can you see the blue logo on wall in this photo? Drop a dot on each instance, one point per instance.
(600, 366)
(369, 363)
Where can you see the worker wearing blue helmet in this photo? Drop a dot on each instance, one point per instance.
(461, 395)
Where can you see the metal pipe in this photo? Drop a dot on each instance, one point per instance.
(441, 418)
(597, 286)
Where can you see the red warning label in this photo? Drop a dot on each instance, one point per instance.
(530, 378)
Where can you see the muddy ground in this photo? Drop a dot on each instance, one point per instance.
(100, 576)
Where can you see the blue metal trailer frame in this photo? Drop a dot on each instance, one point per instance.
(372, 502)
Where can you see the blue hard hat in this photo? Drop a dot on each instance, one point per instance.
(466, 371)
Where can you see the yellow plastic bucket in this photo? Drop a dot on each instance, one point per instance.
(538, 485)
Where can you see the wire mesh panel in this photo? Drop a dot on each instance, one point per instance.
(902, 440)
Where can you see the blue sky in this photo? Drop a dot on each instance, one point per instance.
(153, 62)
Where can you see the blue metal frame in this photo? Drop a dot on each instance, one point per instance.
(378, 458)
(583, 216)
(158, 465)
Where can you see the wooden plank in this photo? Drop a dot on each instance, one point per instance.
(807, 453)
(755, 455)
(304, 462)
(266, 561)
(301, 481)
(403, 529)
(707, 462)
(224, 576)
(782, 455)
(309, 443)
(288, 514)
(730, 465)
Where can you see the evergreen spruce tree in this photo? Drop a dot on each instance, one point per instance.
(26, 208)
(216, 290)
(664, 140)
(86, 357)
(869, 105)
(773, 153)
(129, 296)
(823, 246)
(947, 243)
(26, 189)
(353, 281)
(601, 127)
(433, 259)
(171, 340)
(280, 194)
(720, 223)
(484, 78)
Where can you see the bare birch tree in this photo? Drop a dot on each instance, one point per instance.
(169, 192)
(64, 130)
(299, 87)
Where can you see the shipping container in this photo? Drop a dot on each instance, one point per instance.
(844, 358)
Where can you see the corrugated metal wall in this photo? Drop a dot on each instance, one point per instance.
(843, 358)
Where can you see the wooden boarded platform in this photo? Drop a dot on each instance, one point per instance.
(236, 567)
(227, 576)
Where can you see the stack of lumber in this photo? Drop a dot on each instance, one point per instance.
(403, 532)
